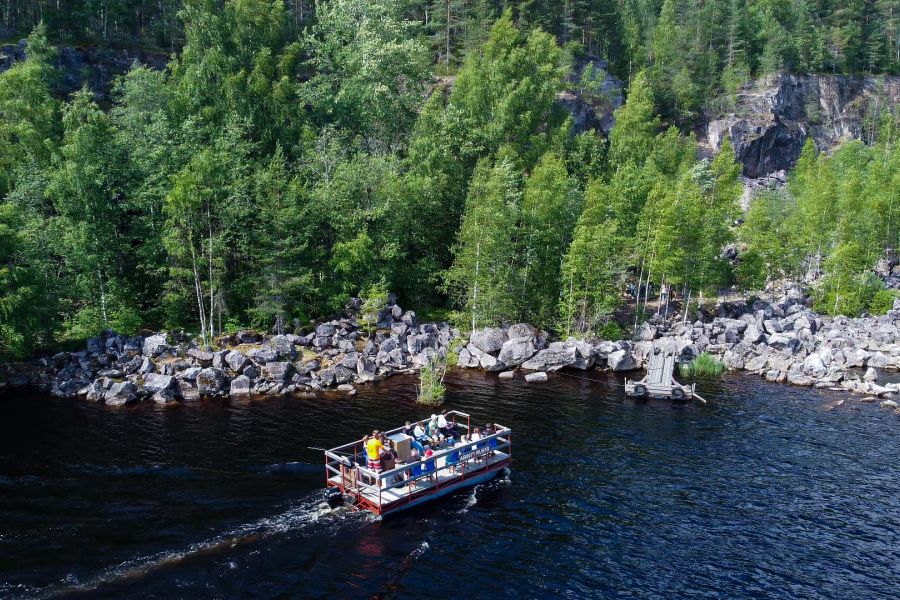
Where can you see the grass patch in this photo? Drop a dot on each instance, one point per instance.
(431, 383)
(704, 365)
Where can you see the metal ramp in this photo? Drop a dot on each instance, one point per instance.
(659, 381)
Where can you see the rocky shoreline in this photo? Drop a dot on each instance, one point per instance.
(781, 339)
(164, 367)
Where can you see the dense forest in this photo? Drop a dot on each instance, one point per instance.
(296, 153)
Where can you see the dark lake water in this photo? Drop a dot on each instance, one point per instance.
(769, 491)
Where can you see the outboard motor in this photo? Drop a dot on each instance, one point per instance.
(334, 498)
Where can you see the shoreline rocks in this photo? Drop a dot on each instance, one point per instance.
(168, 367)
(780, 339)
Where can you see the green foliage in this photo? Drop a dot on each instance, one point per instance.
(843, 294)
(769, 235)
(456, 344)
(705, 365)
(882, 301)
(631, 140)
(29, 115)
(611, 331)
(431, 382)
(837, 221)
(294, 154)
(482, 277)
(374, 299)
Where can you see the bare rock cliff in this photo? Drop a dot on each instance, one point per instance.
(769, 122)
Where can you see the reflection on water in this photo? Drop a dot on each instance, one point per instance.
(767, 491)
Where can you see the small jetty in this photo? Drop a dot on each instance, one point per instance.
(659, 382)
(452, 467)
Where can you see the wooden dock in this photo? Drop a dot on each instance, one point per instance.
(659, 382)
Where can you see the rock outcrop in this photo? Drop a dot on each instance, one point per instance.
(769, 122)
(94, 66)
(592, 100)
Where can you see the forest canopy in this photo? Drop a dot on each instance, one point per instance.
(294, 154)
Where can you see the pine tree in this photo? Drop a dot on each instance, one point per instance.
(636, 124)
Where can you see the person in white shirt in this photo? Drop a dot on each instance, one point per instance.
(443, 426)
(420, 436)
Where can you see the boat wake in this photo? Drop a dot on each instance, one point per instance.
(420, 550)
(308, 513)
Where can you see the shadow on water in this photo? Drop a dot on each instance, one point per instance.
(767, 491)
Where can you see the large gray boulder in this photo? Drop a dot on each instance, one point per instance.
(855, 357)
(284, 347)
(263, 355)
(210, 381)
(97, 390)
(784, 342)
(521, 330)
(516, 351)
(325, 330)
(621, 360)
(796, 375)
(814, 366)
(646, 333)
(489, 339)
(466, 359)
(554, 357)
(123, 392)
(278, 371)
(155, 345)
(240, 386)
(189, 374)
(204, 357)
(585, 354)
(236, 361)
(342, 375)
(165, 385)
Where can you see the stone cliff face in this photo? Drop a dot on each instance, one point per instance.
(93, 66)
(592, 108)
(769, 122)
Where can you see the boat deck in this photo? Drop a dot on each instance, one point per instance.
(442, 478)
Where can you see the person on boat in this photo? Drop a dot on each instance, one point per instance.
(433, 427)
(414, 441)
(443, 426)
(421, 436)
(373, 451)
(365, 452)
(428, 454)
(389, 461)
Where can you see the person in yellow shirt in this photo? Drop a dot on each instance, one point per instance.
(373, 451)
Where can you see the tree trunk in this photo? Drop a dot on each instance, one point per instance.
(102, 299)
(210, 262)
